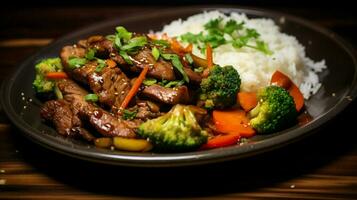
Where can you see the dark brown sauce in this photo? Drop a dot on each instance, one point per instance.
(304, 118)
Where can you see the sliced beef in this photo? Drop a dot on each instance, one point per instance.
(193, 76)
(110, 84)
(71, 51)
(145, 110)
(104, 122)
(160, 69)
(59, 113)
(170, 96)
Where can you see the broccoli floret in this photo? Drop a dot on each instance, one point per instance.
(274, 112)
(41, 84)
(177, 130)
(220, 88)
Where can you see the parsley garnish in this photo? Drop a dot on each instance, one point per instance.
(217, 32)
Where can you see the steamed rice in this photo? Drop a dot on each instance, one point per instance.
(254, 67)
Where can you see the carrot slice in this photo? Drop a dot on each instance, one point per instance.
(221, 141)
(111, 63)
(297, 96)
(285, 82)
(232, 122)
(247, 100)
(56, 75)
(134, 89)
(209, 56)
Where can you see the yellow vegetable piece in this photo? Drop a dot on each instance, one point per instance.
(103, 142)
(129, 144)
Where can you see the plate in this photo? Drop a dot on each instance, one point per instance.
(338, 89)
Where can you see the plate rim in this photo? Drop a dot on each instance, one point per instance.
(286, 137)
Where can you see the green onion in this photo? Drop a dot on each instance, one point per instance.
(198, 70)
(90, 54)
(101, 65)
(58, 92)
(91, 97)
(174, 83)
(188, 58)
(163, 43)
(129, 115)
(123, 33)
(149, 81)
(76, 62)
(126, 57)
(175, 60)
(134, 43)
(155, 52)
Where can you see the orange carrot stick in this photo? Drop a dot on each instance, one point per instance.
(232, 122)
(247, 100)
(111, 63)
(209, 56)
(134, 89)
(56, 75)
(297, 96)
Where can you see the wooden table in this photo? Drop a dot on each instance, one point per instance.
(323, 166)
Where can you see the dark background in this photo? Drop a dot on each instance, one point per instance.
(323, 166)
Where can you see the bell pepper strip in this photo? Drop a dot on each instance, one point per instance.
(247, 100)
(221, 141)
(285, 82)
(56, 75)
(111, 63)
(232, 122)
(134, 89)
(209, 56)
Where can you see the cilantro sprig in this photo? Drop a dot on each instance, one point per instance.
(217, 32)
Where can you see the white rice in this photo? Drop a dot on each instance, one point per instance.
(255, 67)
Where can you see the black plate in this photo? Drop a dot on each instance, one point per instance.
(339, 78)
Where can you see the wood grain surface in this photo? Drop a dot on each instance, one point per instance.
(323, 166)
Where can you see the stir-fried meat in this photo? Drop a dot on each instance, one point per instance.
(161, 69)
(193, 76)
(71, 51)
(59, 112)
(104, 122)
(170, 96)
(110, 84)
(145, 110)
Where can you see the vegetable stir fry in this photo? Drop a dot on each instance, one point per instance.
(137, 92)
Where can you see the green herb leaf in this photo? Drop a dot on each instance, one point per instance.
(198, 70)
(149, 81)
(101, 65)
(167, 56)
(232, 26)
(90, 55)
(155, 52)
(126, 57)
(162, 43)
(188, 58)
(178, 65)
(75, 62)
(129, 115)
(213, 24)
(174, 83)
(134, 43)
(122, 33)
(91, 97)
(110, 37)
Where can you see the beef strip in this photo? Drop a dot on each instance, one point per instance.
(110, 84)
(170, 96)
(193, 76)
(65, 121)
(104, 122)
(161, 69)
